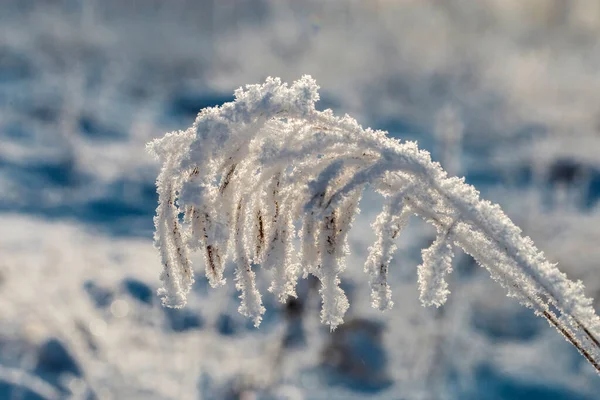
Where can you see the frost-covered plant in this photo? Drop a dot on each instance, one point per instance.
(246, 172)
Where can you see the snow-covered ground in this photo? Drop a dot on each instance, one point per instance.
(502, 91)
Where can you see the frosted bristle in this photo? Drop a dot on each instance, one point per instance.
(250, 298)
(335, 302)
(437, 263)
(388, 225)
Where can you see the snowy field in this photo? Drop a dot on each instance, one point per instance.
(503, 92)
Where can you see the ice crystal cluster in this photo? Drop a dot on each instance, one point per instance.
(247, 173)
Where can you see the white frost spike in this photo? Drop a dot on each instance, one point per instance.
(347, 212)
(180, 250)
(280, 247)
(437, 263)
(279, 259)
(251, 301)
(310, 252)
(274, 130)
(196, 229)
(205, 232)
(177, 276)
(259, 235)
(333, 250)
(256, 230)
(213, 257)
(335, 302)
(317, 190)
(388, 225)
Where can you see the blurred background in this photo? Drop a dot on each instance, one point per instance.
(504, 92)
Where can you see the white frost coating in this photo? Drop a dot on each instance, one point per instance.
(437, 263)
(279, 247)
(287, 162)
(388, 225)
(335, 302)
(251, 301)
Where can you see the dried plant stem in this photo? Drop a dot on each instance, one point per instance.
(271, 157)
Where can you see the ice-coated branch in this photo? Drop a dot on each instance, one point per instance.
(246, 171)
